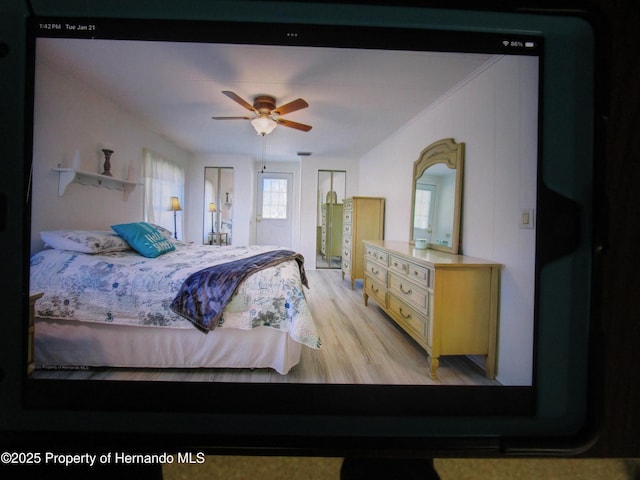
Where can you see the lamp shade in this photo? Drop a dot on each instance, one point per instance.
(212, 207)
(264, 125)
(175, 204)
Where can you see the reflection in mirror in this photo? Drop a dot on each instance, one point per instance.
(332, 186)
(218, 206)
(437, 196)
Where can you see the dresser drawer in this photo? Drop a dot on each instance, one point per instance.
(375, 289)
(398, 264)
(409, 292)
(347, 217)
(416, 273)
(346, 266)
(375, 254)
(419, 274)
(347, 242)
(413, 319)
(346, 254)
(374, 270)
(347, 229)
(347, 204)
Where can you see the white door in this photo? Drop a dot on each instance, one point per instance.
(273, 219)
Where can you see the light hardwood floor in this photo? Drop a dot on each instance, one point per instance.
(360, 345)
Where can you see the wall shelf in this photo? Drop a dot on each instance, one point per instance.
(67, 176)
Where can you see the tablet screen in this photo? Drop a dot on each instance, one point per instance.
(388, 194)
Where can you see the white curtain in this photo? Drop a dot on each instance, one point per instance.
(163, 179)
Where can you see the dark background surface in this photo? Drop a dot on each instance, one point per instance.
(620, 272)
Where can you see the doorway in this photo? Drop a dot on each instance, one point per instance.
(274, 223)
(332, 187)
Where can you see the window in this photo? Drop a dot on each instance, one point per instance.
(274, 198)
(162, 180)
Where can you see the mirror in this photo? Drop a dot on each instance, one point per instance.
(437, 196)
(218, 206)
(332, 187)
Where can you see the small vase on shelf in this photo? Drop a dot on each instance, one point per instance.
(107, 162)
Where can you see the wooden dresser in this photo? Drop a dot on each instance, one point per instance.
(363, 220)
(331, 235)
(447, 303)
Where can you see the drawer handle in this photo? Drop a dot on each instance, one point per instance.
(375, 272)
(404, 268)
(407, 316)
(406, 292)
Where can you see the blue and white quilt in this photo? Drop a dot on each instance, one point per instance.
(126, 288)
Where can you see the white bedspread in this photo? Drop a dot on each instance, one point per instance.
(128, 289)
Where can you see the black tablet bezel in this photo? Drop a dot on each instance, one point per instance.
(552, 409)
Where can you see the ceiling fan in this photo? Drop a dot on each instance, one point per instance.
(267, 115)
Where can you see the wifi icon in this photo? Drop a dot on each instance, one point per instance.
(505, 42)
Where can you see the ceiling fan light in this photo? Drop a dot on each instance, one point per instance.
(264, 125)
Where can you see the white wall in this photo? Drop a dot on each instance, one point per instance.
(495, 115)
(90, 121)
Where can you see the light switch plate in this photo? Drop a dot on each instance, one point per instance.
(527, 218)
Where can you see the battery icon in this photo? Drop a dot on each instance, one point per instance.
(529, 44)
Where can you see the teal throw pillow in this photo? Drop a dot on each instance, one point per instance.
(144, 239)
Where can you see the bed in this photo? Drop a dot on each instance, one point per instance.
(105, 304)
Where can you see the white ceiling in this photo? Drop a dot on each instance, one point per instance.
(356, 97)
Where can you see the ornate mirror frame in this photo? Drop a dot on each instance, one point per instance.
(451, 154)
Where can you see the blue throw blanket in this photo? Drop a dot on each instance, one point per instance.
(204, 294)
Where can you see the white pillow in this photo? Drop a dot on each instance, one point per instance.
(85, 241)
(167, 234)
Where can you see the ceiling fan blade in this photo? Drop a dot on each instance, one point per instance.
(231, 118)
(298, 104)
(239, 100)
(296, 125)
